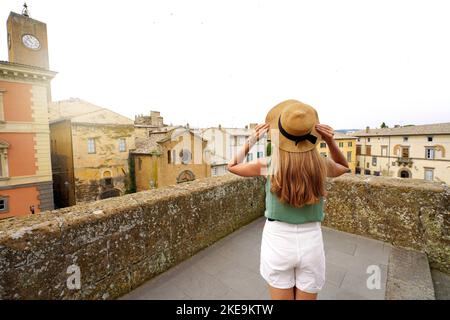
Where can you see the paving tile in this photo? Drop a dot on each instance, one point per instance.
(374, 250)
(243, 281)
(334, 274)
(358, 286)
(199, 285)
(214, 262)
(353, 264)
(229, 269)
(329, 291)
(157, 291)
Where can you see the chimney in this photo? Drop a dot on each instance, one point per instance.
(367, 129)
(220, 127)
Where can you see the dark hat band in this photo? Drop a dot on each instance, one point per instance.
(309, 137)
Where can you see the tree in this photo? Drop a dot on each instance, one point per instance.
(383, 125)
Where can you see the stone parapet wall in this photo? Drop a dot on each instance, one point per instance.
(406, 213)
(117, 244)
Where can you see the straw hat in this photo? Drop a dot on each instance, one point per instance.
(296, 124)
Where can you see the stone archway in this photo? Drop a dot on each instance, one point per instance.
(404, 173)
(186, 176)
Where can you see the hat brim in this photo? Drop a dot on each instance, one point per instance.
(280, 141)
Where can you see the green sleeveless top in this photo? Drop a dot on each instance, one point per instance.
(284, 212)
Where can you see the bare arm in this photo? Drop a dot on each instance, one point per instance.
(338, 165)
(253, 168)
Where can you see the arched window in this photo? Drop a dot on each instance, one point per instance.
(107, 178)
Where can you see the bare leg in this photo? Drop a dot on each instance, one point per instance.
(300, 295)
(281, 294)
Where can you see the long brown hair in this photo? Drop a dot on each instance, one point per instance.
(298, 178)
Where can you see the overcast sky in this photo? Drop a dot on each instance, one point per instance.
(208, 62)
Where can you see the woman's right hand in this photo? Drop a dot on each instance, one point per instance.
(260, 130)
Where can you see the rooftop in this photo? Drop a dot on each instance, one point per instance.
(427, 129)
(79, 111)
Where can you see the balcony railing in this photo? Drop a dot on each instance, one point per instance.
(404, 162)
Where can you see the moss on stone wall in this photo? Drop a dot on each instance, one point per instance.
(120, 243)
(406, 213)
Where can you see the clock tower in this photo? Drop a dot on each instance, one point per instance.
(27, 40)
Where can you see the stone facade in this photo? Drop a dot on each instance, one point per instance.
(169, 157)
(418, 152)
(90, 149)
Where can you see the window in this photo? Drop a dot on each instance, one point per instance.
(341, 144)
(4, 169)
(367, 165)
(323, 154)
(430, 139)
(405, 139)
(374, 161)
(359, 139)
(122, 145)
(250, 157)
(260, 154)
(174, 157)
(91, 145)
(368, 150)
(169, 156)
(2, 114)
(186, 156)
(367, 172)
(358, 150)
(349, 156)
(350, 144)
(368, 139)
(429, 174)
(429, 153)
(323, 145)
(4, 204)
(405, 152)
(384, 151)
(377, 173)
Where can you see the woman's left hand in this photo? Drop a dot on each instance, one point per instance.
(326, 132)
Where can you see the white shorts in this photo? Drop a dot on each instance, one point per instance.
(293, 255)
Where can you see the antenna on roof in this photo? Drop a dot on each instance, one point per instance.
(25, 11)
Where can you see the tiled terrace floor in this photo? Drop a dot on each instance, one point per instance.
(229, 269)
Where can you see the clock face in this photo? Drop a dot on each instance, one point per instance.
(31, 42)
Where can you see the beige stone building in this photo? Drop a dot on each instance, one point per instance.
(89, 149)
(418, 152)
(224, 143)
(167, 155)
